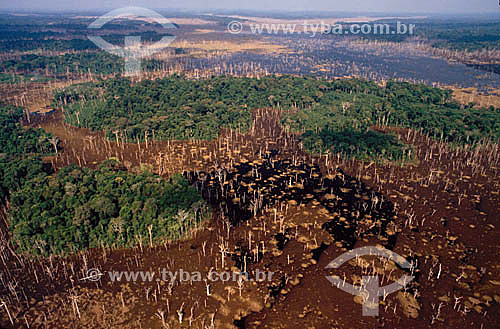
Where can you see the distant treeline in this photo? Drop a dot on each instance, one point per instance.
(462, 35)
(99, 62)
(449, 34)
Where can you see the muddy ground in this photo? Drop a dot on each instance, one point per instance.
(281, 210)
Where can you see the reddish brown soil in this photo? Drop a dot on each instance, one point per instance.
(85, 148)
(446, 203)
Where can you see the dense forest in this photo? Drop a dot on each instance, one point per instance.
(16, 140)
(179, 108)
(172, 108)
(78, 208)
(20, 149)
(83, 62)
(366, 145)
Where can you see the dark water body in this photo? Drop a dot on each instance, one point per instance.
(338, 58)
(357, 211)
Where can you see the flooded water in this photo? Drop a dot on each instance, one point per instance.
(355, 209)
(330, 57)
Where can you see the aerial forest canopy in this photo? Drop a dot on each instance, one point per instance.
(20, 149)
(79, 208)
(330, 114)
(14, 139)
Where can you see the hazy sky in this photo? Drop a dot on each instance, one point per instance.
(408, 6)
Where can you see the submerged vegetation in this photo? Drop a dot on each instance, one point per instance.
(101, 231)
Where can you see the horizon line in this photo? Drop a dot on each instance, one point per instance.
(258, 11)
